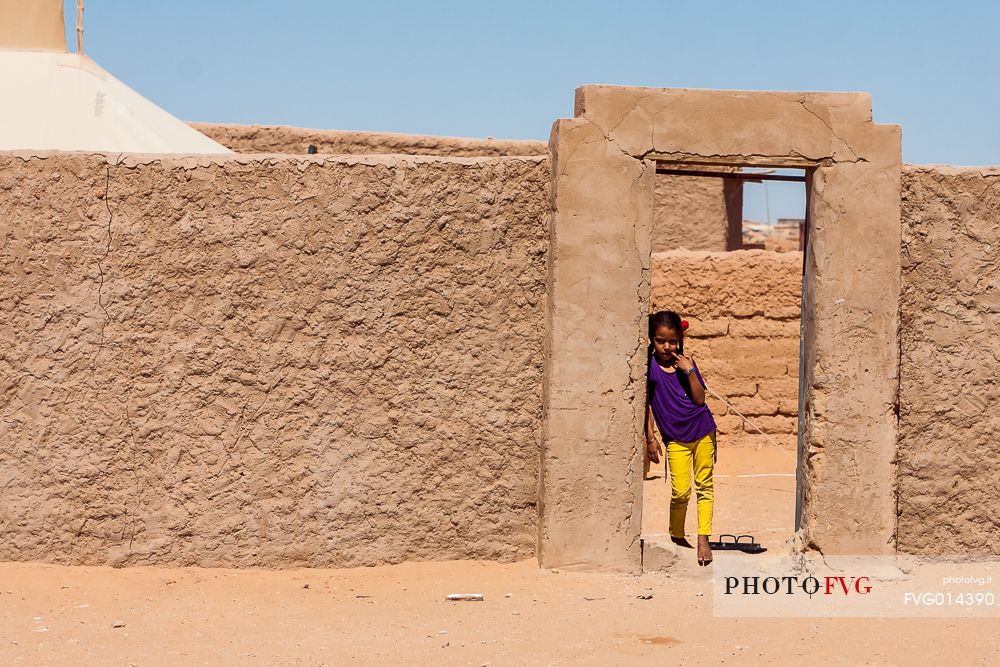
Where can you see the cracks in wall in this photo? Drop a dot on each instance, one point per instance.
(635, 354)
(607, 135)
(835, 135)
(720, 158)
(100, 263)
(893, 538)
(558, 163)
(236, 441)
(823, 160)
(130, 518)
(277, 378)
(630, 396)
(631, 516)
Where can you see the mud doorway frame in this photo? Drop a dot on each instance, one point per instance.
(658, 553)
(603, 163)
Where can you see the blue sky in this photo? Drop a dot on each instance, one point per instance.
(508, 69)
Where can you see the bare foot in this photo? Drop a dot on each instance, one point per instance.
(681, 542)
(704, 551)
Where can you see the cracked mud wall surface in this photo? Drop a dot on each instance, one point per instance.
(949, 457)
(743, 308)
(688, 212)
(281, 362)
(296, 140)
(598, 284)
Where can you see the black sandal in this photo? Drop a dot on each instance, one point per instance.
(745, 543)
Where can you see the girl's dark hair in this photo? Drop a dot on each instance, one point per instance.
(669, 319)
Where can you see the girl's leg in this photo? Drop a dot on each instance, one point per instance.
(679, 460)
(704, 467)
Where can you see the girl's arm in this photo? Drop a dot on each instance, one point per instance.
(653, 448)
(686, 365)
(697, 389)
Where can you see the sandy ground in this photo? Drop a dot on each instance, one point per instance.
(754, 494)
(398, 615)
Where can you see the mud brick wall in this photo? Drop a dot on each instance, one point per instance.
(696, 213)
(949, 444)
(688, 212)
(270, 362)
(743, 308)
(296, 141)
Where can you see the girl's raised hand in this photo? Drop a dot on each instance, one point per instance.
(683, 363)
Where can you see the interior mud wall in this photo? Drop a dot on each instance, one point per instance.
(697, 213)
(296, 141)
(949, 456)
(278, 362)
(743, 308)
(688, 212)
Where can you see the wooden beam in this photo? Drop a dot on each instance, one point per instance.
(785, 162)
(737, 175)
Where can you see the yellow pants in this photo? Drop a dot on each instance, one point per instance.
(682, 457)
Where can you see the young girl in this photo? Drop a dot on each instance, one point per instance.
(676, 401)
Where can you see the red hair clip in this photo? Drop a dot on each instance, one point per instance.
(684, 325)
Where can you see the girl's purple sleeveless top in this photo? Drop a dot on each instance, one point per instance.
(676, 415)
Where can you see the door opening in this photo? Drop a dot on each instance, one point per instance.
(727, 243)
